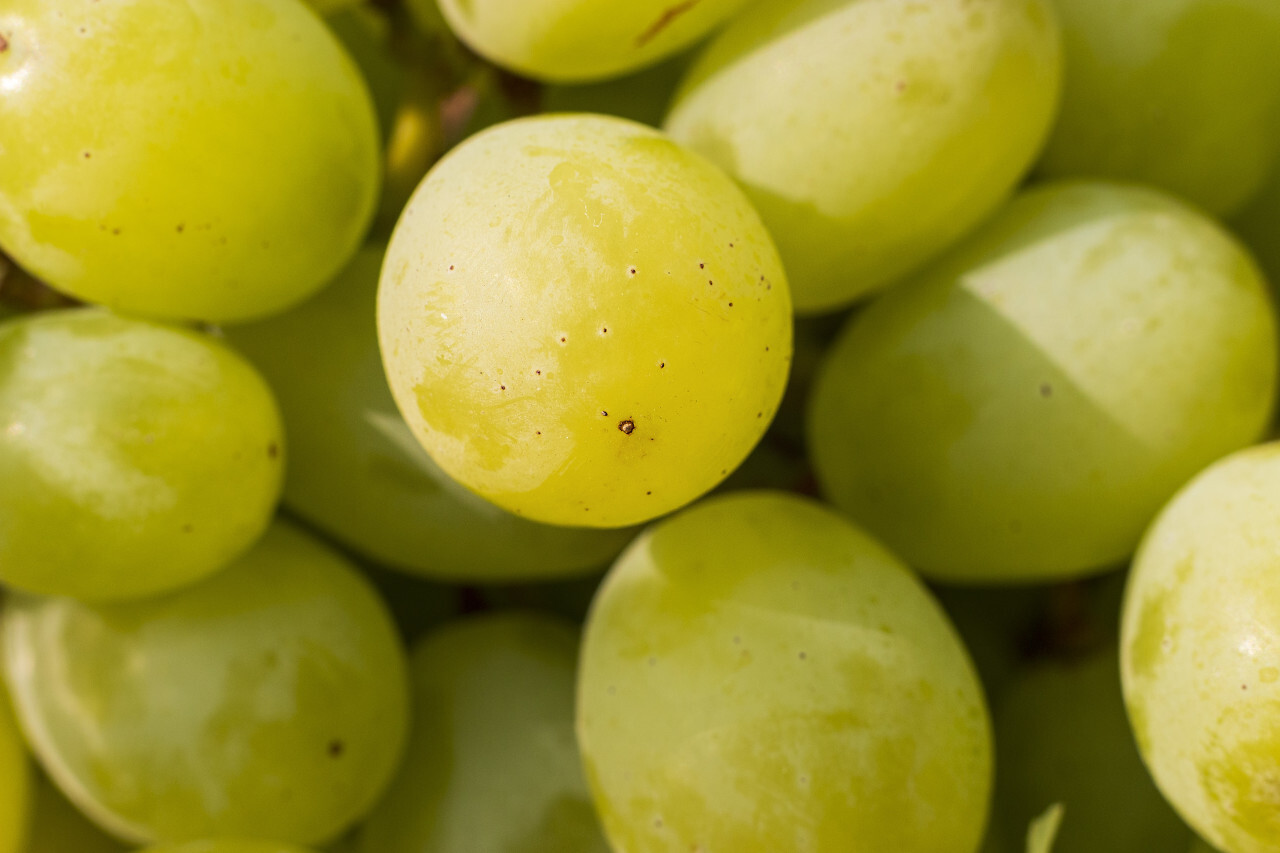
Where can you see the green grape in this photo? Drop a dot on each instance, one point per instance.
(1199, 845)
(582, 322)
(59, 827)
(1180, 94)
(205, 159)
(366, 33)
(579, 40)
(1062, 736)
(759, 675)
(491, 766)
(137, 457)
(357, 472)
(1200, 660)
(1021, 410)
(871, 134)
(642, 97)
(269, 700)
(226, 847)
(15, 783)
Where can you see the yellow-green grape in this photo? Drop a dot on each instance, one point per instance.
(136, 457)
(583, 322)
(1200, 658)
(356, 471)
(1180, 94)
(579, 40)
(15, 783)
(203, 159)
(757, 674)
(269, 701)
(871, 134)
(1021, 410)
(492, 766)
(226, 847)
(1062, 736)
(59, 827)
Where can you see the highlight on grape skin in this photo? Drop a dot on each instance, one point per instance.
(582, 322)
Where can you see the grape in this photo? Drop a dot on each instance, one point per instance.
(1021, 410)
(579, 40)
(1199, 657)
(15, 785)
(871, 134)
(1063, 736)
(58, 827)
(491, 766)
(366, 33)
(356, 471)
(226, 847)
(757, 674)
(267, 701)
(582, 322)
(206, 159)
(137, 457)
(1180, 94)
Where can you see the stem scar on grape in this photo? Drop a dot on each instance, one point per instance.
(627, 427)
(664, 20)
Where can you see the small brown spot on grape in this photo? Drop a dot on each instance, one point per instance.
(1046, 390)
(603, 413)
(88, 154)
(759, 414)
(450, 267)
(710, 282)
(538, 372)
(181, 228)
(803, 656)
(632, 270)
(4, 43)
(627, 427)
(702, 266)
(730, 245)
(537, 432)
(648, 493)
(336, 748)
(730, 304)
(187, 528)
(661, 364)
(273, 450)
(502, 387)
(115, 231)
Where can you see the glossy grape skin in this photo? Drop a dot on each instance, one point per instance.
(580, 40)
(137, 457)
(226, 847)
(15, 782)
(1021, 410)
(492, 765)
(201, 159)
(758, 675)
(1199, 656)
(872, 134)
(1062, 736)
(267, 701)
(59, 827)
(355, 469)
(1179, 94)
(582, 322)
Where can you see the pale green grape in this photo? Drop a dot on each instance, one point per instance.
(1180, 94)
(1200, 658)
(267, 701)
(59, 827)
(136, 457)
(871, 134)
(1062, 736)
(492, 766)
(15, 783)
(759, 675)
(1021, 410)
(577, 40)
(207, 159)
(356, 471)
(582, 322)
(226, 847)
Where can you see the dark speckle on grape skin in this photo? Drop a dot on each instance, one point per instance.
(336, 748)
(4, 43)
(627, 427)
(273, 450)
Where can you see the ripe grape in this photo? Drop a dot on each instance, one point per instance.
(267, 701)
(579, 40)
(582, 322)
(136, 457)
(203, 159)
(355, 469)
(758, 674)
(1179, 94)
(491, 765)
(1021, 409)
(1199, 656)
(871, 134)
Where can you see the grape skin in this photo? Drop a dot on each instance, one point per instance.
(136, 457)
(198, 159)
(582, 322)
(1022, 409)
(1199, 659)
(269, 700)
(872, 134)
(758, 675)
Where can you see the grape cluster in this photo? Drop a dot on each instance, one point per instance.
(671, 426)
